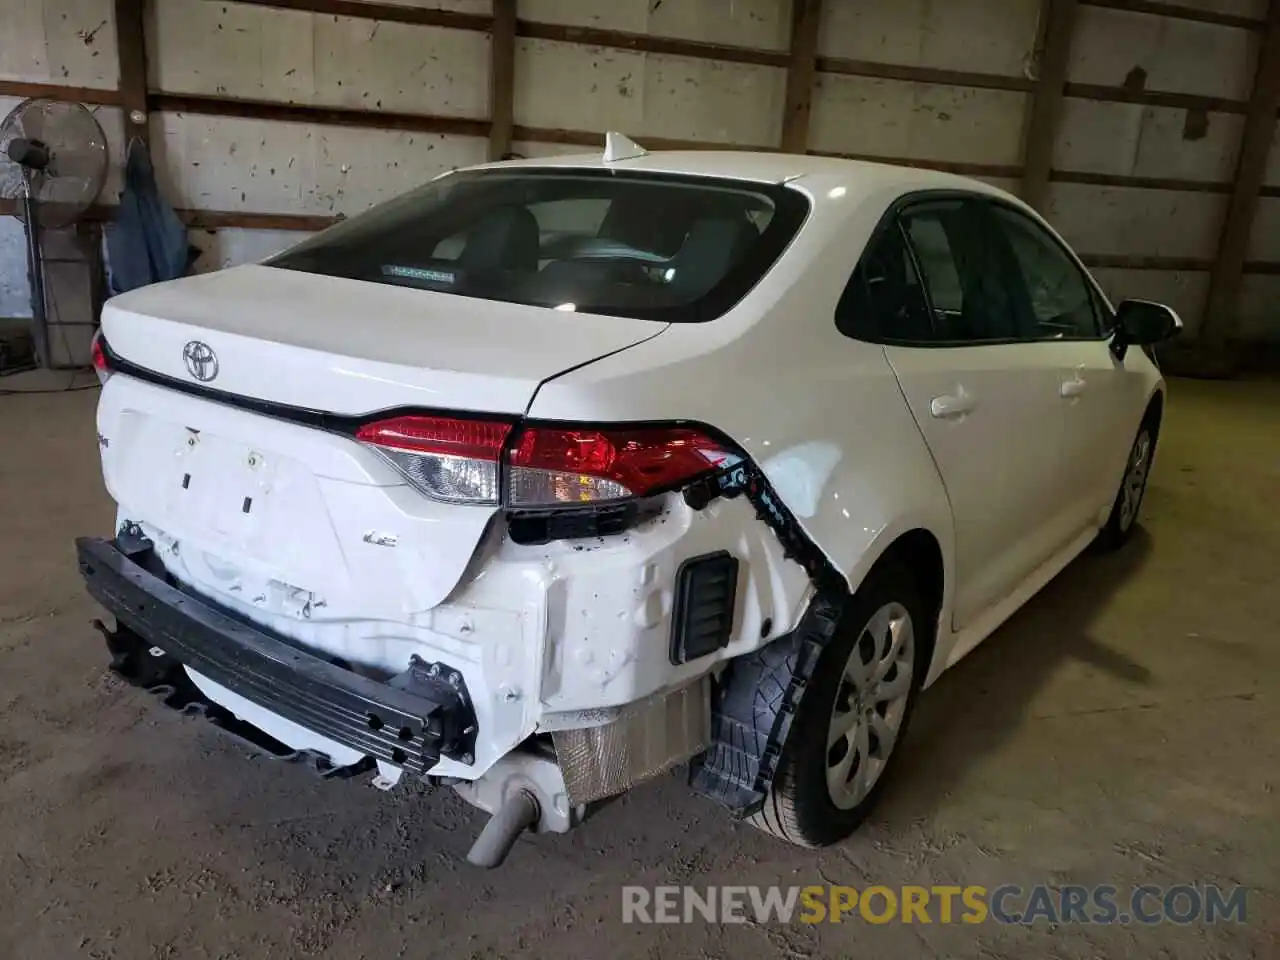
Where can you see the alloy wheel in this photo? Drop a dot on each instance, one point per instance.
(871, 702)
(1135, 480)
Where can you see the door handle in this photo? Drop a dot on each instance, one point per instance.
(1073, 388)
(953, 406)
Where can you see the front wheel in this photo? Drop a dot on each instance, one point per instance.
(1133, 488)
(851, 721)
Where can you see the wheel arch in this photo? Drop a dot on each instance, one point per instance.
(1154, 414)
(920, 552)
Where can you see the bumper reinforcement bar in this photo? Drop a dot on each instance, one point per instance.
(411, 720)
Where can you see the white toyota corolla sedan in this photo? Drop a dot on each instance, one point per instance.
(550, 475)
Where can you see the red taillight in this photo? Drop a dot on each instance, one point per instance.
(447, 458)
(450, 436)
(98, 357)
(461, 460)
(564, 465)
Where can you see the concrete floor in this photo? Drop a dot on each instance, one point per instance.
(1120, 729)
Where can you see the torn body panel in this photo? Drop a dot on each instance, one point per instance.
(758, 694)
(548, 637)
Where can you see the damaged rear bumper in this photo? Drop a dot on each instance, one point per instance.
(410, 721)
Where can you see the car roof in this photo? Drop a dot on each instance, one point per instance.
(816, 174)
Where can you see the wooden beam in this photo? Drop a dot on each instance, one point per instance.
(1155, 98)
(241, 219)
(209, 219)
(56, 91)
(391, 12)
(913, 74)
(12, 207)
(595, 139)
(1178, 11)
(649, 43)
(1251, 170)
(1058, 21)
(131, 51)
(959, 167)
(303, 113)
(806, 18)
(1139, 183)
(502, 77)
(1129, 261)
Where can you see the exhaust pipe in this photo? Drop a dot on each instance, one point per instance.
(517, 814)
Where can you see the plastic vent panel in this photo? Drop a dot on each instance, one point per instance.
(702, 619)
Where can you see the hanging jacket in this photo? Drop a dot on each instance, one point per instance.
(147, 242)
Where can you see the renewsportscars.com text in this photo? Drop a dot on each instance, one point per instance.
(1007, 904)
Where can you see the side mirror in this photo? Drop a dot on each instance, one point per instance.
(1143, 323)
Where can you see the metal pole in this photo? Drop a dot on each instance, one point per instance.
(39, 314)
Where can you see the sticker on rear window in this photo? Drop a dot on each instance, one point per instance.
(417, 273)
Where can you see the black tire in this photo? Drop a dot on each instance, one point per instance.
(799, 807)
(1124, 517)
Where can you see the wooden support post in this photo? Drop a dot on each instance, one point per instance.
(1058, 20)
(502, 78)
(1222, 303)
(131, 52)
(806, 16)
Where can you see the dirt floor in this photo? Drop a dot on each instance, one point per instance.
(1121, 729)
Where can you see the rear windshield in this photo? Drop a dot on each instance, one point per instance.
(680, 249)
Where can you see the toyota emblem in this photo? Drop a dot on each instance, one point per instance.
(202, 362)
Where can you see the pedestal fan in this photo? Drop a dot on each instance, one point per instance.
(53, 162)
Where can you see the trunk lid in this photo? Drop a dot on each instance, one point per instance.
(294, 526)
(351, 347)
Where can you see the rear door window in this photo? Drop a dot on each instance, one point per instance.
(885, 301)
(966, 275)
(663, 247)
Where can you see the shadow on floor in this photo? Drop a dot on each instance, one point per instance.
(976, 705)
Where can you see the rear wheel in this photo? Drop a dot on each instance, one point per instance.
(1133, 488)
(851, 721)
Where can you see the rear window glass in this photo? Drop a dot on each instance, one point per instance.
(679, 249)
